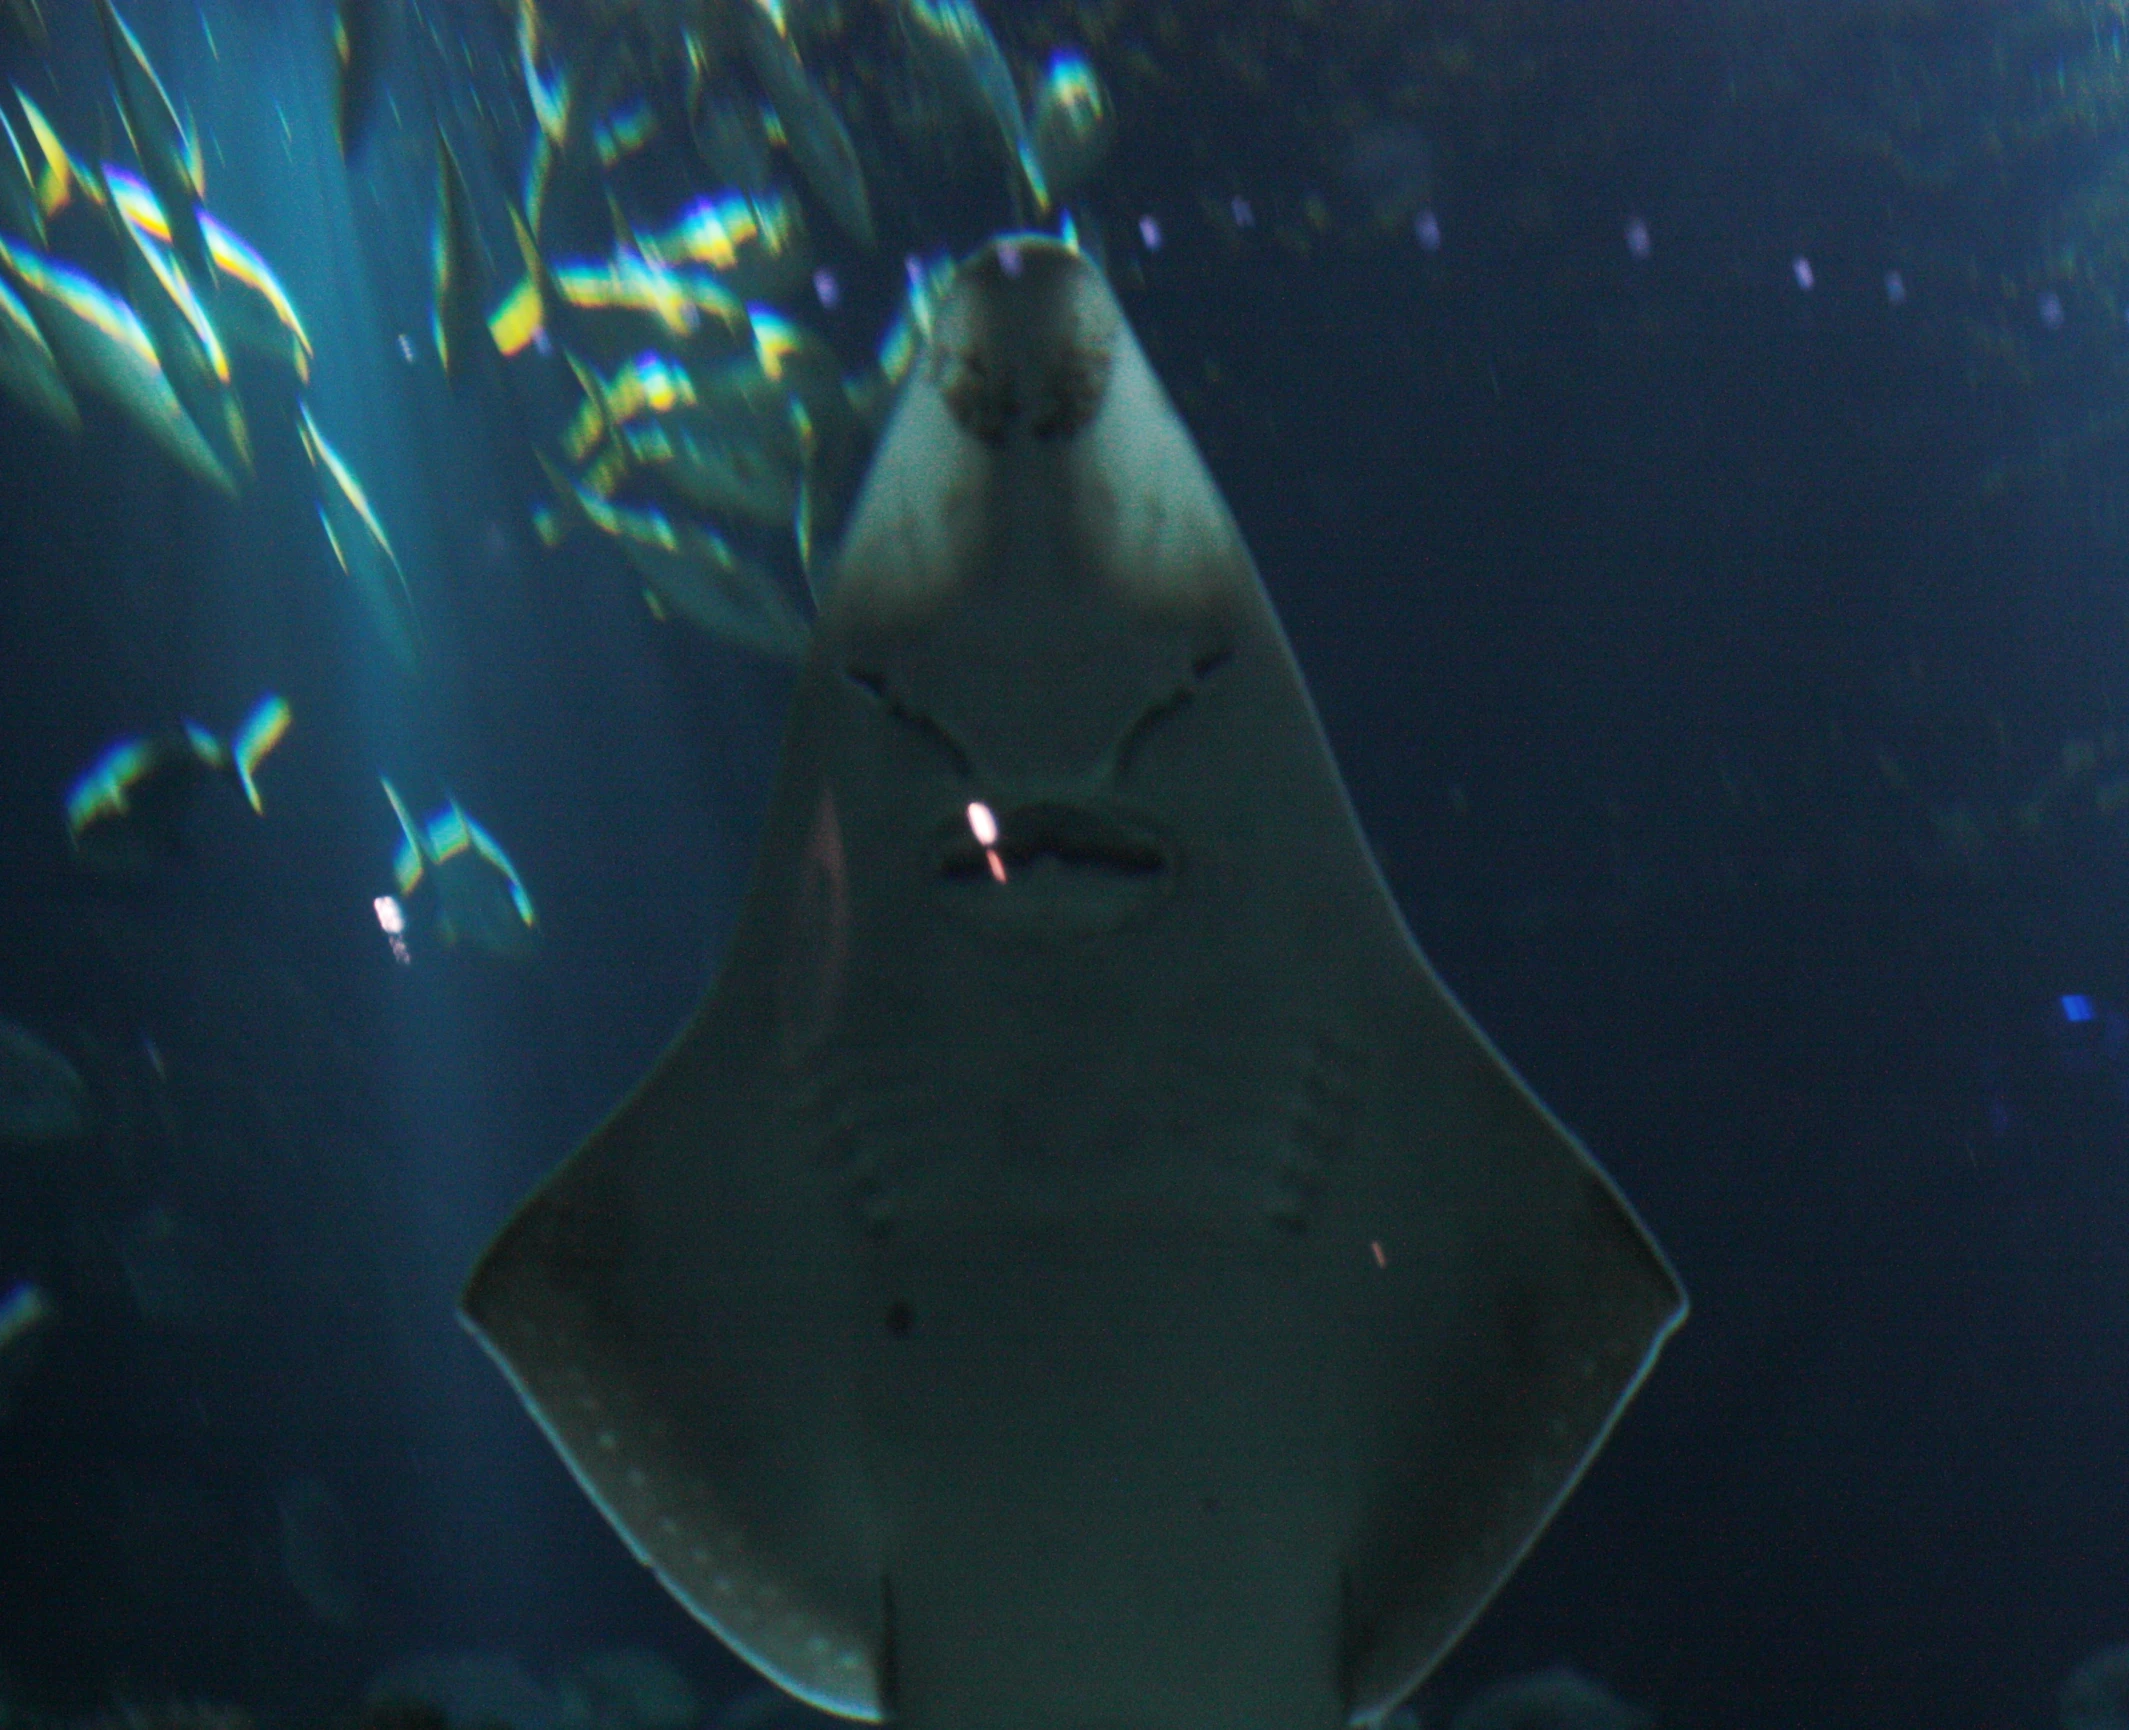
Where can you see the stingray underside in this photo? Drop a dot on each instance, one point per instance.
(1080, 1270)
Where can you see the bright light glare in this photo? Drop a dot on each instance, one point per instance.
(982, 824)
(390, 920)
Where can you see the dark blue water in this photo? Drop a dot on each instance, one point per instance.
(1723, 647)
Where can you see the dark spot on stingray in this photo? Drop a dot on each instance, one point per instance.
(979, 393)
(1072, 393)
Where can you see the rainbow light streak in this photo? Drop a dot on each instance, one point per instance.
(549, 96)
(491, 850)
(630, 282)
(25, 326)
(188, 145)
(101, 791)
(61, 174)
(178, 286)
(232, 258)
(406, 863)
(449, 834)
(1072, 86)
(624, 133)
(324, 456)
(715, 231)
(241, 264)
(519, 320)
(644, 528)
(86, 300)
(776, 340)
(649, 384)
(268, 725)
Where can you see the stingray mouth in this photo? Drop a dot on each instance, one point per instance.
(1054, 862)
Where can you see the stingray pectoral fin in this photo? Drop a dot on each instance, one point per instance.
(674, 1342)
(1526, 1303)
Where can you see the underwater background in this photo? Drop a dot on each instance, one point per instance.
(1686, 447)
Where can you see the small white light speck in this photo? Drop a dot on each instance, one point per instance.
(392, 920)
(982, 824)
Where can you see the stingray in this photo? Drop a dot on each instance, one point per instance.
(1079, 1269)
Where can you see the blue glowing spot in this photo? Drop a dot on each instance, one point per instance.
(2076, 1007)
